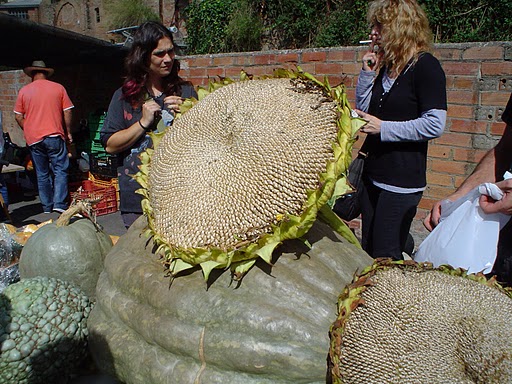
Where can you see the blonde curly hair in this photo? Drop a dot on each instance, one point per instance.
(405, 31)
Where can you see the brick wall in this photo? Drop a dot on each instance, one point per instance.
(90, 88)
(479, 83)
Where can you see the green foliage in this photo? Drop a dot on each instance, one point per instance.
(469, 20)
(241, 25)
(344, 26)
(207, 21)
(127, 13)
(244, 30)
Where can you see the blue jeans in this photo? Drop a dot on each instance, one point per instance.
(51, 162)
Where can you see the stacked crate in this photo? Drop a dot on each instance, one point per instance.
(102, 180)
(100, 162)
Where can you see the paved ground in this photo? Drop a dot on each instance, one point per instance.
(27, 210)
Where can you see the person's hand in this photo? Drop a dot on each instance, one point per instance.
(371, 59)
(372, 126)
(172, 103)
(489, 205)
(432, 219)
(70, 138)
(149, 109)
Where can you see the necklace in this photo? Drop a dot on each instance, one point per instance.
(154, 97)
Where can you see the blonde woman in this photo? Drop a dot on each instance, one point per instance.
(401, 93)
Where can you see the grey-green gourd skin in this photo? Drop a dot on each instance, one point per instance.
(74, 252)
(43, 330)
(273, 328)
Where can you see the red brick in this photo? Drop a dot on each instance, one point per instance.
(439, 151)
(307, 67)
(351, 96)
(342, 55)
(351, 69)
(259, 70)
(234, 72)
(314, 56)
(499, 68)
(335, 80)
(438, 192)
(199, 61)
(483, 53)
(497, 128)
(450, 80)
(448, 166)
(461, 111)
(465, 82)
(439, 179)
(287, 57)
(467, 126)
(223, 60)
(454, 139)
(461, 97)
(215, 72)
(447, 53)
(244, 61)
(494, 98)
(328, 68)
(197, 72)
(468, 155)
(461, 68)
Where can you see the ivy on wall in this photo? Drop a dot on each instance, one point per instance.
(245, 25)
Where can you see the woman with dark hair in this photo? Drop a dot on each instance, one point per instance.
(401, 93)
(150, 96)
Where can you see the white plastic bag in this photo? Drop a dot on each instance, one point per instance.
(465, 237)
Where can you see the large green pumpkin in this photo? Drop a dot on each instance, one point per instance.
(68, 250)
(271, 327)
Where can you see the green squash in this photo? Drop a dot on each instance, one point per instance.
(42, 331)
(270, 327)
(69, 250)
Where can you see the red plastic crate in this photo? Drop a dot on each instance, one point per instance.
(90, 188)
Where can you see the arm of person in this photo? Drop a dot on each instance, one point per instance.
(68, 119)
(490, 169)
(364, 89)
(20, 119)
(124, 138)
(429, 126)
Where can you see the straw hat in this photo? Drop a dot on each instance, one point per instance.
(38, 65)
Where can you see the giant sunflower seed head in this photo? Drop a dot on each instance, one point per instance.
(402, 322)
(247, 167)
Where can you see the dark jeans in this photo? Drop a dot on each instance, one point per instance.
(387, 218)
(51, 162)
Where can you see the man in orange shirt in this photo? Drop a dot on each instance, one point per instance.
(43, 111)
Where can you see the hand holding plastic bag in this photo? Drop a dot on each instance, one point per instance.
(466, 237)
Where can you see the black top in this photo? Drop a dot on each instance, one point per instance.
(122, 115)
(420, 87)
(507, 114)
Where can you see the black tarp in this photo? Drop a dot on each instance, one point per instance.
(23, 41)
